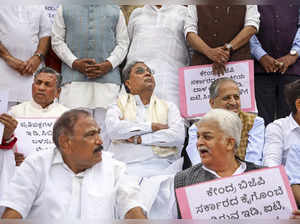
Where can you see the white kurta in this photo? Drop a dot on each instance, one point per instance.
(31, 109)
(140, 159)
(26, 109)
(157, 38)
(94, 94)
(44, 187)
(21, 27)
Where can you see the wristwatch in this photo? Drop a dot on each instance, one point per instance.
(293, 52)
(229, 48)
(40, 55)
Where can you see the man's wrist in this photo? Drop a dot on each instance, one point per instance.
(9, 143)
(40, 56)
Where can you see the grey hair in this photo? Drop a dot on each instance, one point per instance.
(64, 125)
(127, 70)
(51, 71)
(228, 121)
(215, 85)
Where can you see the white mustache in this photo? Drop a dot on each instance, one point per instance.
(201, 148)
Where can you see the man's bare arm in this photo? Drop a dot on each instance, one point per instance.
(11, 214)
(34, 61)
(11, 61)
(135, 213)
(217, 54)
(243, 37)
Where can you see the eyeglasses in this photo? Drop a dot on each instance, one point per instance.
(142, 70)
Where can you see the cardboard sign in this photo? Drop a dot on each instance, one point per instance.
(194, 83)
(259, 194)
(34, 134)
(3, 106)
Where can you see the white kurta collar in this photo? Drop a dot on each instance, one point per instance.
(293, 123)
(39, 107)
(241, 169)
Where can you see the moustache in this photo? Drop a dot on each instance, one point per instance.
(98, 149)
(203, 149)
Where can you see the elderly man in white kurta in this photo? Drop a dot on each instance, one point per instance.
(90, 71)
(45, 89)
(24, 40)
(157, 37)
(147, 133)
(74, 180)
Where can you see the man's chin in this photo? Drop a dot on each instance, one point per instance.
(98, 156)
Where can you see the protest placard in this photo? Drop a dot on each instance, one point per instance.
(259, 194)
(3, 106)
(51, 10)
(194, 82)
(34, 134)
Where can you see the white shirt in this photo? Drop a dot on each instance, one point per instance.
(254, 150)
(91, 97)
(251, 18)
(157, 38)
(31, 109)
(279, 137)
(27, 109)
(137, 154)
(160, 198)
(45, 187)
(21, 27)
(292, 165)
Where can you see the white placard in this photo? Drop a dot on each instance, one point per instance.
(195, 82)
(261, 194)
(51, 10)
(3, 107)
(34, 134)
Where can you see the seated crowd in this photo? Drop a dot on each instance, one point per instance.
(122, 146)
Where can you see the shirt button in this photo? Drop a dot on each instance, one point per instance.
(216, 21)
(214, 34)
(217, 7)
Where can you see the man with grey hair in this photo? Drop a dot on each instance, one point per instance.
(75, 179)
(147, 133)
(45, 88)
(225, 94)
(218, 138)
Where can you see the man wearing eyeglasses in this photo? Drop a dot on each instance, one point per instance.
(147, 133)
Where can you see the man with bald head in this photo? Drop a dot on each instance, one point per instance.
(225, 94)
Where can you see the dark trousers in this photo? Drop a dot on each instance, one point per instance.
(269, 94)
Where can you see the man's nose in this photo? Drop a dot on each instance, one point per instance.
(99, 140)
(42, 86)
(232, 100)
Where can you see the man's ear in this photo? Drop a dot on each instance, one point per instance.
(297, 104)
(64, 144)
(127, 85)
(211, 103)
(230, 143)
(58, 90)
